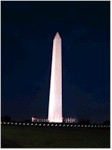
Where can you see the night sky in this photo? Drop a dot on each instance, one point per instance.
(28, 29)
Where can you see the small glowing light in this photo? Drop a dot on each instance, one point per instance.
(71, 125)
(74, 125)
(16, 123)
(104, 126)
(95, 126)
(23, 124)
(12, 123)
(85, 125)
(40, 124)
(19, 123)
(63, 125)
(91, 126)
(43, 124)
(55, 124)
(78, 125)
(36, 124)
(60, 125)
(88, 125)
(98, 126)
(81, 125)
(67, 125)
(4, 122)
(51, 124)
(31, 124)
(47, 124)
(7, 122)
(27, 124)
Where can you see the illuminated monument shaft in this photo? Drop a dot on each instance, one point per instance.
(55, 97)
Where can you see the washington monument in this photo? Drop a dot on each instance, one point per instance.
(55, 95)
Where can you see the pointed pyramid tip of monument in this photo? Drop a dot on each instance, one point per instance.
(57, 35)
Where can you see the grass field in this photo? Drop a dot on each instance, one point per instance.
(49, 137)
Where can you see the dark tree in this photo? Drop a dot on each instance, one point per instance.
(5, 119)
(106, 122)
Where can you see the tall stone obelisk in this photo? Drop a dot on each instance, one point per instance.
(55, 96)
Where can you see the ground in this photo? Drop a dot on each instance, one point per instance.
(52, 137)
